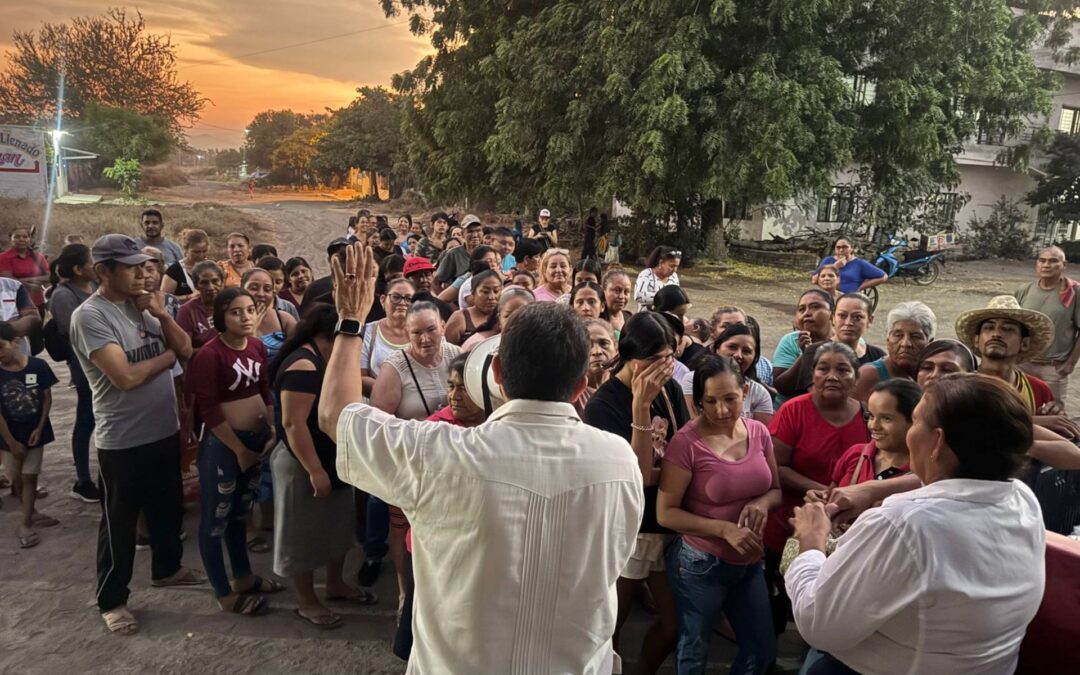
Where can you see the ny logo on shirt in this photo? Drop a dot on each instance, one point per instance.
(247, 375)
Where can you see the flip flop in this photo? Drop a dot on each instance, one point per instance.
(258, 545)
(322, 621)
(29, 540)
(120, 621)
(185, 576)
(264, 586)
(248, 605)
(42, 492)
(361, 597)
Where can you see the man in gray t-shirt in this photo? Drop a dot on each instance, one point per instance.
(1055, 295)
(152, 225)
(127, 344)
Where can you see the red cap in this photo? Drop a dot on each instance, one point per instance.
(417, 263)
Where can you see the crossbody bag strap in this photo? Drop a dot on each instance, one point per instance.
(858, 465)
(419, 390)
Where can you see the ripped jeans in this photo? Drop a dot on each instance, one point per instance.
(226, 493)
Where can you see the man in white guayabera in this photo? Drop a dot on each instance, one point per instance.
(520, 525)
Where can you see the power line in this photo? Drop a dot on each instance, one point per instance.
(199, 64)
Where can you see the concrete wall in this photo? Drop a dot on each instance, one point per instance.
(985, 185)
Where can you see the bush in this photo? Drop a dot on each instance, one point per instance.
(1005, 233)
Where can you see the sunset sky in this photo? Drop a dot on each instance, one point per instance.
(217, 40)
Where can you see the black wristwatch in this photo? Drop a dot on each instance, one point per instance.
(350, 327)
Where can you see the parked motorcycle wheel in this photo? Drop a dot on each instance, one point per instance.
(873, 295)
(928, 274)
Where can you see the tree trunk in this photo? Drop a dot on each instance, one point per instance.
(712, 229)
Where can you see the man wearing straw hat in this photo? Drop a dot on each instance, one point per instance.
(1005, 335)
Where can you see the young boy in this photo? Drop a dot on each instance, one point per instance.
(25, 400)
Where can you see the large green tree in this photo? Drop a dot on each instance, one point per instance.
(366, 134)
(115, 133)
(109, 59)
(269, 128)
(1059, 183)
(674, 107)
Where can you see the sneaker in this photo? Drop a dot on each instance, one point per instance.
(142, 542)
(87, 492)
(369, 572)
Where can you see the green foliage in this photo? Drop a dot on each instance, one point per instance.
(365, 134)
(122, 132)
(227, 160)
(294, 154)
(1058, 191)
(1005, 233)
(108, 59)
(673, 107)
(126, 173)
(271, 127)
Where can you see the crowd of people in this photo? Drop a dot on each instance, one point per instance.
(538, 441)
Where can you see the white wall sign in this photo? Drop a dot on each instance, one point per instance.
(23, 168)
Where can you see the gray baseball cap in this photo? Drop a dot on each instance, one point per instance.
(118, 247)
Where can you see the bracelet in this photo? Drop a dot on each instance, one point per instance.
(640, 427)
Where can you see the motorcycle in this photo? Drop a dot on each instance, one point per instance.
(922, 267)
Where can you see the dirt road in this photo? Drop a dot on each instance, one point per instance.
(48, 623)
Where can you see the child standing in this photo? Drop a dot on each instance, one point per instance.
(25, 400)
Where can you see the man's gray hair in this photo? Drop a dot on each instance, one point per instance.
(917, 312)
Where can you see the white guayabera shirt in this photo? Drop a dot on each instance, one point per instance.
(943, 579)
(520, 529)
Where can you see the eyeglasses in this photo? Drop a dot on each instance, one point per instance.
(399, 299)
(673, 254)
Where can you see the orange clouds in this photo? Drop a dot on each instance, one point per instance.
(238, 53)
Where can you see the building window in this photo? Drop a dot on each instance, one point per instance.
(988, 133)
(1070, 121)
(862, 88)
(941, 209)
(735, 211)
(837, 206)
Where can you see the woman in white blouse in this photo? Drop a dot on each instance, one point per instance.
(942, 579)
(661, 269)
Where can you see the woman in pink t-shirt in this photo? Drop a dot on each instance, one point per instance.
(718, 482)
(554, 275)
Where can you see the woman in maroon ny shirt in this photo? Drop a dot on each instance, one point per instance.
(229, 382)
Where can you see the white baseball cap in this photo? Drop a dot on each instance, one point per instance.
(480, 382)
(544, 213)
(469, 220)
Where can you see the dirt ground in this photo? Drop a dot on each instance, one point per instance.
(48, 623)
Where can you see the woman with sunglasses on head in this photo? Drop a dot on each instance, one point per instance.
(487, 285)
(661, 269)
(642, 404)
(229, 383)
(511, 300)
(554, 275)
(617, 292)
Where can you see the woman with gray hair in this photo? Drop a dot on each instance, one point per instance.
(911, 327)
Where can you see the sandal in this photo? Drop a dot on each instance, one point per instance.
(258, 545)
(247, 605)
(262, 585)
(28, 539)
(185, 576)
(361, 597)
(120, 621)
(42, 492)
(321, 621)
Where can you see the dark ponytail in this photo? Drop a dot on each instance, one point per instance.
(319, 322)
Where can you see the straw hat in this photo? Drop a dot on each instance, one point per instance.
(1039, 326)
(479, 377)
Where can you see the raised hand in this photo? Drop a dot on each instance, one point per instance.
(354, 282)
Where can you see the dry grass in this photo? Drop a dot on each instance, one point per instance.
(94, 220)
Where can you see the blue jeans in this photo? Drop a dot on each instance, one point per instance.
(376, 529)
(704, 587)
(83, 428)
(226, 493)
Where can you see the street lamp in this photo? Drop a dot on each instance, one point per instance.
(243, 164)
